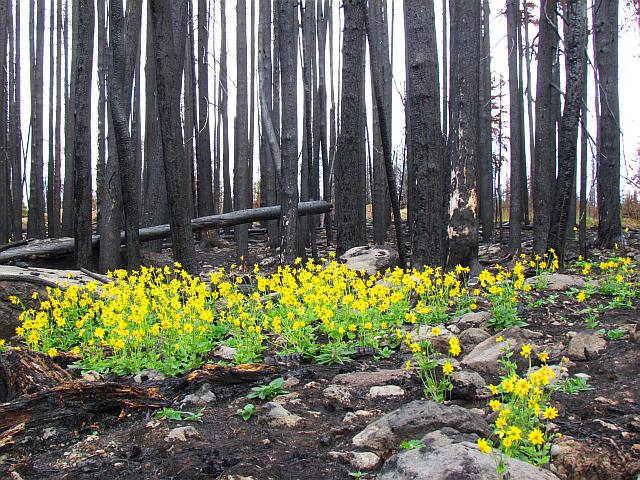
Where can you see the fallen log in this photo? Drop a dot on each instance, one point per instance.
(63, 410)
(24, 372)
(62, 246)
(230, 375)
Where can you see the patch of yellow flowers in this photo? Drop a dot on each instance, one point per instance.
(163, 318)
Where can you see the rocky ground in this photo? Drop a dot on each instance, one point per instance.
(349, 421)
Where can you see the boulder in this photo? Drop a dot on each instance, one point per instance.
(484, 357)
(363, 461)
(203, 396)
(471, 319)
(556, 282)
(467, 384)
(371, 379)
(337, 396)
(386, 391)
(182, 434)
(462, 461)
(371, 259)
(416, 419)
(586, 345)
(471, 337)
(278, 416)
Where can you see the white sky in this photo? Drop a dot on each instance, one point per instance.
(629, 59)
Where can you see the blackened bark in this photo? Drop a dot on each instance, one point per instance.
(606, 44)
(205, 180)
(53, 173)
(576, 15)
(288, 43)
(545, 139)
(35, 220)
(169, 30)
(321, 17)
(485, 159)
(516, 204)
(268, 182)
(15, 137)
(426, 141)
(241, 189)
(68, 198)
(379, 44)
(463, 138)
(155, 208)
(252, 102)
(350, 167)
(120, 84)
(57, 188)
(82, 133)
(4, 126)
(584, 137)
(227, 204)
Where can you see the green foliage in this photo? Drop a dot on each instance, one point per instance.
(412, 444)
(172, 414)
(616, 334)
(247, 411)
(334, 353)
(269, 391)
(572, 386)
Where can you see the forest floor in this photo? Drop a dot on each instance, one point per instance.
(327, 406)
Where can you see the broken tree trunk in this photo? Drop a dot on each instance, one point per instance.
(63, 246)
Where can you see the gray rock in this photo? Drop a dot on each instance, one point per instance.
(439, 342)
(416, 419)
(556, 282)
(371, 259)
(92, 376)
(467, 384)
(203, 396)
(281, 417)
(484, 357)
(447, 436)
(472, 319)
(268, 262)
(459, 461)
(337, 395)
(371, 379)
(363, 461)
(182, 434)
(386, 391)
(149, 375)
(224, 352)
(586, 345)
(471, 337)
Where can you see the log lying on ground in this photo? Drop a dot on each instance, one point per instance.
(229, 375)
(61, 246)
(24, 372)
(68, 407)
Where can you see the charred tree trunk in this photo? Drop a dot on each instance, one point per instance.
(267, 169)
(53, 214)
(545, 140)
(155, 208)
(227, 204)
(426, 143)
(288, 42)
(350, 168)
(169, 31)
(15, 137)
(379, 44)
(463, 138)
(68, 198)
(4, 126)
(576, 14)
(241, 191)
(516, 203)
(606, 44)
(35, 220)
(321, 17)
(205, 180)
(485, 158)
(82, 133)
(57, 188)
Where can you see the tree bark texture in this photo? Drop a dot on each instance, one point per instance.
(169, 27)
(350, 167)
(426, 152)
(608, 160)
(463, 140)
(485, 158)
